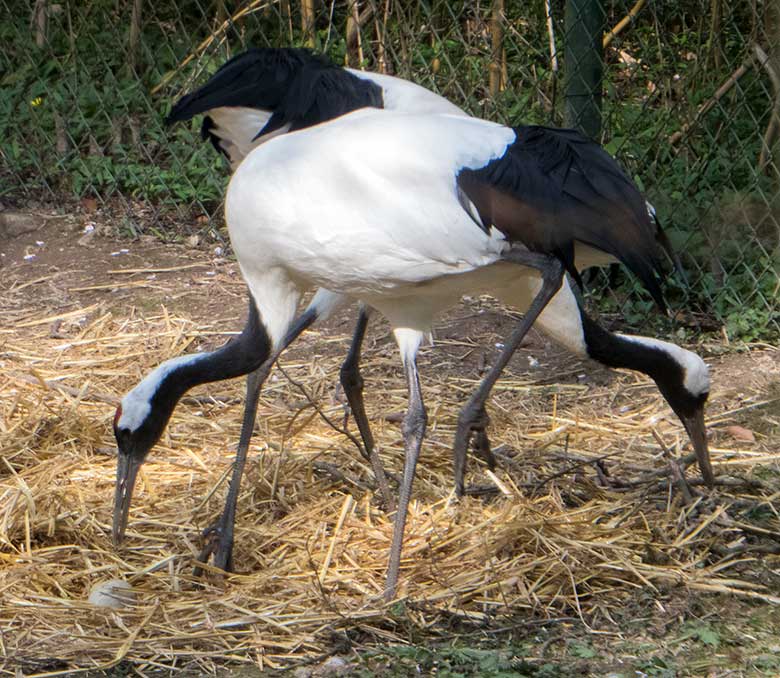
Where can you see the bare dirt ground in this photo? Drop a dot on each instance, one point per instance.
(85, 315)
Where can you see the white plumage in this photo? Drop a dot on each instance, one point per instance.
(406, 213)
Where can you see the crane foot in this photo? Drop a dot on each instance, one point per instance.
(471, 434)
(218, 540)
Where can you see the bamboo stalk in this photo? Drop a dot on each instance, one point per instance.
(135, 34)
(551, 36)
(496, 41)
(354, 55)
(307, 22)
(609, 37)
(774, 120)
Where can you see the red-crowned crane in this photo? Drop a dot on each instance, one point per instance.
(406, 213)
(262, 93)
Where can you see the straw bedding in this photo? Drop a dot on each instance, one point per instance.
(558, 535)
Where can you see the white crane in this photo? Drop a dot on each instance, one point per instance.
(262, 93)
(406, 213)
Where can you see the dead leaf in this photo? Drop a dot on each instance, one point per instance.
(741, 433)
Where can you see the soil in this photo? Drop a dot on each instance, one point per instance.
(76, 260)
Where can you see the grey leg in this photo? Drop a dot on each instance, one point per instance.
(219, 536)
(352, 383)
(414, 426)
(472, 418)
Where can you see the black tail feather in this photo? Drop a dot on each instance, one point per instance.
(555, 187)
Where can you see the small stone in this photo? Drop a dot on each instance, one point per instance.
(14, 224)
(741, 433)
(333, 666)
(114, 593)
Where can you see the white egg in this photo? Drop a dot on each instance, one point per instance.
(114, 593)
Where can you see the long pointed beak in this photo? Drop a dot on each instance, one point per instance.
(698, 434)
(126, 472)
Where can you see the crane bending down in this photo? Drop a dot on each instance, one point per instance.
(262, 93)
(407, 213)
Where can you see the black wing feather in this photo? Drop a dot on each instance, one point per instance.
(298, 86)
(554, 187)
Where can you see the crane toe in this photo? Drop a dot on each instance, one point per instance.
(218, 542)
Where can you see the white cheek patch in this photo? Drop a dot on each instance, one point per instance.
(697, 376)
(696, 373)
(137, 404)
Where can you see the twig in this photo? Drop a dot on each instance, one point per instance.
(497, 38)
(319, 411)
(74, 392)
(774, 120)
(211, 400)
(674, 467)
(608, 37)
(574, 467)
(252, 7)
(338, 475)
(725, 416)
(724, 89)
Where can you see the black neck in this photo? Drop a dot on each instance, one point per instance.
(241, 355)
(614, 350)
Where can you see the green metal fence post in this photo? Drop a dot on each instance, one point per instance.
(583, 65)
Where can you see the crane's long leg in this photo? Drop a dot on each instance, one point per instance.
(352, 383)
(219, 536)
(414, 426)
(473, 418)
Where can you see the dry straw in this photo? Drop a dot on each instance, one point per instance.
(580, 514)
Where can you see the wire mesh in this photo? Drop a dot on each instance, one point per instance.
(686, 94)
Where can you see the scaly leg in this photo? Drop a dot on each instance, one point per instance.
(352, 383)
(219, 536)
(414, 426)
(472, 417)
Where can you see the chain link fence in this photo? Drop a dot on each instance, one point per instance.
(686, 93)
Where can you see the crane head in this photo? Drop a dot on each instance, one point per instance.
(686, 388)
(137, 427)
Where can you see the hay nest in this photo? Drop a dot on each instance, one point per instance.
(582, 517)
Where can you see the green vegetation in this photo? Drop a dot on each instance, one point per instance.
(78, 117)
